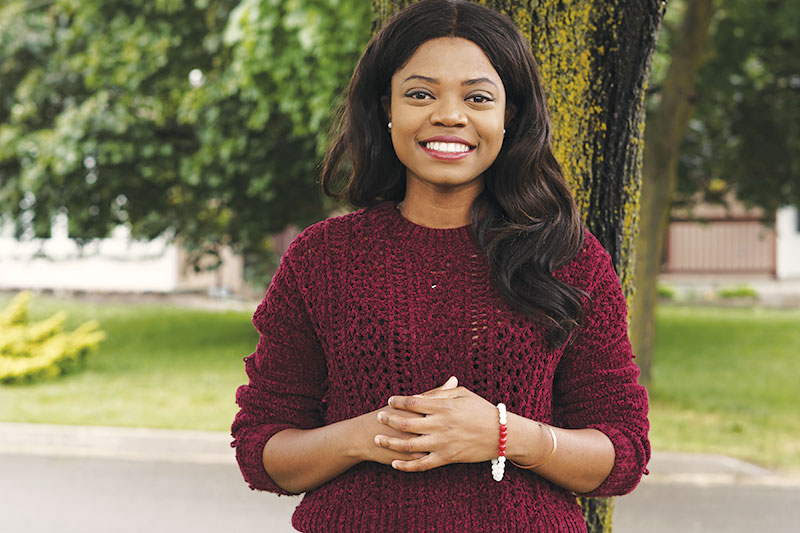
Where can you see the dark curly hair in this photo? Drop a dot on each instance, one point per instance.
(525, 219)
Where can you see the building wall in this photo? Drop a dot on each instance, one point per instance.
(228, 277)
(712, 239)
(720, 246)
(115, 264)
(787, 226)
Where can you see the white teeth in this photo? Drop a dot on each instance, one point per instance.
(453, 148)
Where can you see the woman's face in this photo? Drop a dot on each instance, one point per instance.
(448, 110)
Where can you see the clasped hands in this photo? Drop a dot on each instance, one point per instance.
(448, 424)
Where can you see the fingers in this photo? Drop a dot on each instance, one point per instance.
(401, 422)
(451, 383)
(427, 462)
(425, 405)
(408, 446)
(400, 412)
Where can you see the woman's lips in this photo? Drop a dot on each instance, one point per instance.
(447, 147)
(446, 156)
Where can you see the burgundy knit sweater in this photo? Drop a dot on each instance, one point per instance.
(369, 305)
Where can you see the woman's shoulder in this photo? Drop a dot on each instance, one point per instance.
(592, 251)
(583, 269)
(337, 232)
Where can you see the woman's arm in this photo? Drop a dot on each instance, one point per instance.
(282, 441)
(301, 460)
(596, 383)
(583, 458)
(598, 406)
(462, 427)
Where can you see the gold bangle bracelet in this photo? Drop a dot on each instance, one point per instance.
(549, 456)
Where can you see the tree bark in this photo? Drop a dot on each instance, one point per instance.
(594, 58)
(665, 129)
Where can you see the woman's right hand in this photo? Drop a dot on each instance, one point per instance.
(369, 451)
(370, 427)
(299, 460)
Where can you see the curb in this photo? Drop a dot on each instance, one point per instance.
(213, 447)
(705, 469)
(138, 444)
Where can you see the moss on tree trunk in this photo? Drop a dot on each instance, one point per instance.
(594, 58)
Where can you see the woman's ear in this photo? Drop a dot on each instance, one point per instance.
(386, 103)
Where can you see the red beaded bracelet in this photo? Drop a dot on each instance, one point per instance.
(499, 464)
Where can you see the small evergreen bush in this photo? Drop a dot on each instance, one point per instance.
(740, 291)
(33, 351)
(666, 292)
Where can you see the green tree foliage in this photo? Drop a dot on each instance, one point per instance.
(669, 110)
(33, 351)
(723, 115)
(188, 118)
(744, 136)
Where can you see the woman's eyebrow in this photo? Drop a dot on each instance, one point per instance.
(474, 81)
(423, 78)
(479, 80)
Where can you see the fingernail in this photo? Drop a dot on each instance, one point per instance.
(391, 401)
(377, 440)
(394, 464)
(381, 417)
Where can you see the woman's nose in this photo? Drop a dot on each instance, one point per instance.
(449, 112)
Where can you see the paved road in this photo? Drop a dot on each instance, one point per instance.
(85, 495)
(101, 480)
(687, 508)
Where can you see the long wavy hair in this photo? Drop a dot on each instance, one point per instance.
(525, 219)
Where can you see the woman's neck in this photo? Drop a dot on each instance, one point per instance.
(438, 210)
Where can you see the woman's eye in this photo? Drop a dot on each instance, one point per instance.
(418, 95)
(480, 99)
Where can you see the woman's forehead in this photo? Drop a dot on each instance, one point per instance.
(448, 59)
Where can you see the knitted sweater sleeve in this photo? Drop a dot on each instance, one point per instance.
(286, 377)
(596, 381)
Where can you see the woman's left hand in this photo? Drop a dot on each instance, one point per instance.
(459, 427)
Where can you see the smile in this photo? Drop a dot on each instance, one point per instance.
(453, 149)
(447, 147)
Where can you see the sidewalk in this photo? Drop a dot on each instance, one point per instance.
(207, 447)
(168, 481)
(694, 288)
(136, 444)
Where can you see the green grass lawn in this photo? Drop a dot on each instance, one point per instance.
(162, 367)
(725, 380)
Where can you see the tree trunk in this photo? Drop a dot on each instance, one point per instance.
(665, 129)
(594, 58)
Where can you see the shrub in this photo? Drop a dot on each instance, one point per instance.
(740, 291)
(33, 351)
(666, 292)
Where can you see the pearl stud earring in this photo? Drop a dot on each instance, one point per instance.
(390, 125)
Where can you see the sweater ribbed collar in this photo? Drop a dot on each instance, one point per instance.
(410, 233)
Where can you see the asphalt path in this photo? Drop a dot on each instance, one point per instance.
(86, 495)
(704, 508)
(104, 480)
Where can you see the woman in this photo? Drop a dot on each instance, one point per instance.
(466, 293)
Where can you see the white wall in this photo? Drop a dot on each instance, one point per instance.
(787, 243)
(116, 264)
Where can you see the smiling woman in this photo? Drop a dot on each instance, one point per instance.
(448, 111)
(464, 316)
